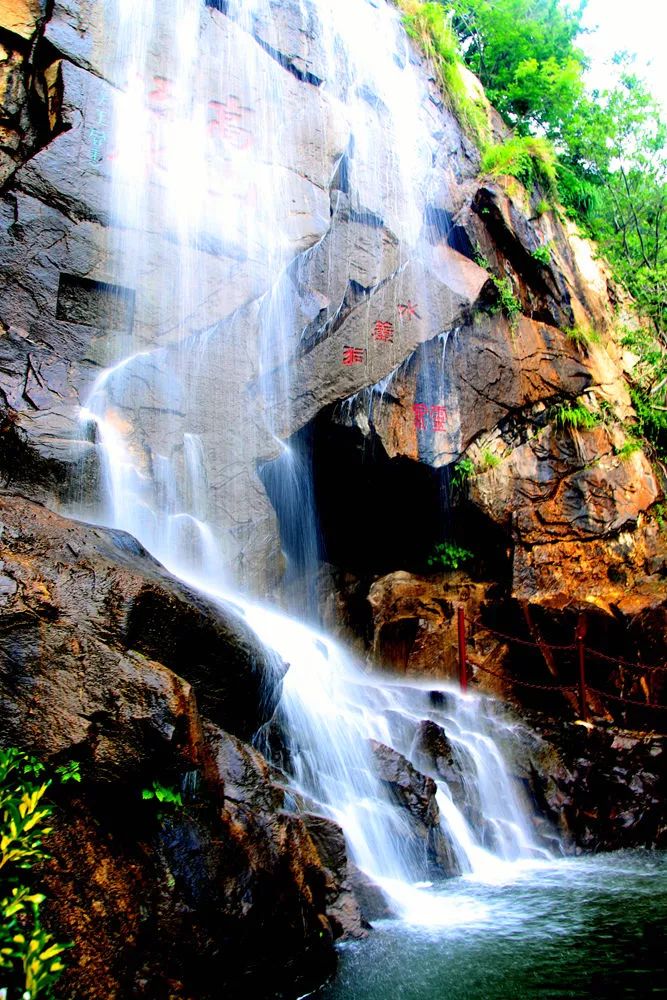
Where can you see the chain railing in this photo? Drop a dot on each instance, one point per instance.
(582, 689)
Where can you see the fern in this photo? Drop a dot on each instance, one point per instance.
(569, 416)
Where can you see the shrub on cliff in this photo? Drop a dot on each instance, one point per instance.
(30, 960)
(530, 159)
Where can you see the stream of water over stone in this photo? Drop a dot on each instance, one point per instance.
(202, 171)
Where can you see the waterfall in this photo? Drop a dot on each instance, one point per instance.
(204, 228)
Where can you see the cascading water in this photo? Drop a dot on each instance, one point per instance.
(195, 170)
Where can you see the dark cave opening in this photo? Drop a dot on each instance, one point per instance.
(359, 510)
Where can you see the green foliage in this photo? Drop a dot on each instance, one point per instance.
(71, 771)
(162, 794)
(542, 254)
(523, 51)
(480, 259)
(629, 448)
(531, 159)
(30, 960)
(488, 460)
(462, 471)
(430, 26)
(508, 302)
(542, 207)
(659, 512)
(574, 416)
(649, 393)
(448, 556)
(582, 338)
(611, 169)
(579, 195)
(652, 420)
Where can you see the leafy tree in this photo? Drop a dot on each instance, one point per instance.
(523, 51)
(611, 168)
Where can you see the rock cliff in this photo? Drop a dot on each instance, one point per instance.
(392, 364)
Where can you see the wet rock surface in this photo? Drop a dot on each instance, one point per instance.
(157, 896)
(414, 622)
(352, 283)
(77, 597)
(602, 788)
(186, 901)
(415, 793)
(106, 659)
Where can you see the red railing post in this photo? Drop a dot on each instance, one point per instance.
(579, 636)
(463, 662)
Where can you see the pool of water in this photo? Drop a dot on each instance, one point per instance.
(581, 927)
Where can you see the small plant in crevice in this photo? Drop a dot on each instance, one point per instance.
(574, 416)
(30, 958)
(542, 254)
(488, 460)
(164, 794)
(628, 448)
(507, 300)
(582, 338)
(461, 473)
(480, 259)
(448, 556)
(71, 771)
(542, 207)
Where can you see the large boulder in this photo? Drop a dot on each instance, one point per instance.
(220, 885)
(217, 894)
(414, 622)
(601, 789)
(86, 613)
(415, 793)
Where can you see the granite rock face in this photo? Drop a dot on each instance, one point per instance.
(312, 303)
(409, 347)
(415, 794)
(107, 660)
(76, 597)
(600, 790)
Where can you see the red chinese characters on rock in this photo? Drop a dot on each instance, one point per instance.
(429, 417)
(383, 330)
(226, 123)
(408, 309)
(420, 412)
(439, 418)
(354, 355)
(161, 95)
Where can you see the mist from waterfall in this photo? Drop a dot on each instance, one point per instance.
(195, 172)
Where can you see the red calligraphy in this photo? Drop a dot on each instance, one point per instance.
(161, 97)
(225, 122)
(429, 417)
(383, 330)
(439, 418)
(353, 355)
(408, 309)
(420, 411)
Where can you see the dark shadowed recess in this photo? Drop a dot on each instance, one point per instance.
(374, 514)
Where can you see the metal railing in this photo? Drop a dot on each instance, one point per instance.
(578, 646)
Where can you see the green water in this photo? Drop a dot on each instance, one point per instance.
(587, 927)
